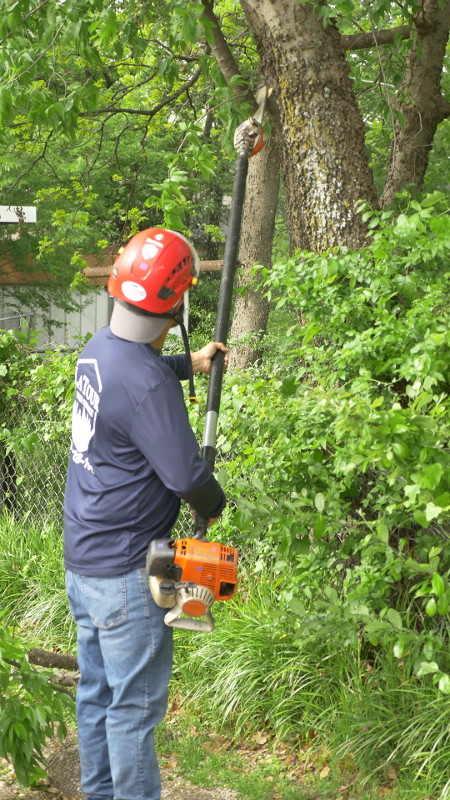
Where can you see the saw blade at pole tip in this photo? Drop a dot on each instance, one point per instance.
(261, 96)
(249, 132)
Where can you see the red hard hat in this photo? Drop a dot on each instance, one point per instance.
(154, 270)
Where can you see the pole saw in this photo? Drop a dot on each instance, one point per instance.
(186, 576)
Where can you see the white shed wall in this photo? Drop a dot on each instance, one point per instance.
(72, 327)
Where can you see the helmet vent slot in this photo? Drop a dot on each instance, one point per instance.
(164, 293)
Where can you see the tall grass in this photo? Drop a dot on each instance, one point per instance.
(257, 671)
(391, 721)
(32, 589)
(252, 672)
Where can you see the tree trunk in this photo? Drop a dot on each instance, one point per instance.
(258, 222)
(419, 101)
(325, 164)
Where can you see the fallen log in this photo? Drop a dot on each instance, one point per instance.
(47, 658)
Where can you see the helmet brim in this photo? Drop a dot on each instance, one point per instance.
(128, 324)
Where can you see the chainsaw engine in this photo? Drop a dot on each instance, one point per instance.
(187, 576)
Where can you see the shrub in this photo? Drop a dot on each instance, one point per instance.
(339, 459)
(32, 710)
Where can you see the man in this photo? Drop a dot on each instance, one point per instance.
(133, 456)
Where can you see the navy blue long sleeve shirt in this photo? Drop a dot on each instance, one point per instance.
(133, 456)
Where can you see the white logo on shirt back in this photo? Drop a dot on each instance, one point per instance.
(88, 387)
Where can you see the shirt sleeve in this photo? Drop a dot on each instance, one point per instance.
(177, 364)
(162, 432)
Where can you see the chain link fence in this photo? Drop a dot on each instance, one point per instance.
(15, 321)
(33, 471)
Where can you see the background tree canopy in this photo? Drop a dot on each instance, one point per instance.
(114, 117)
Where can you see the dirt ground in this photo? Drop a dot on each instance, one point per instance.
(63, 784)
(174, 788)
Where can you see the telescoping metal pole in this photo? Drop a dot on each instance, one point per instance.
(247, 141)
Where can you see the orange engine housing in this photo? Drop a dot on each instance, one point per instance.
(209, 564)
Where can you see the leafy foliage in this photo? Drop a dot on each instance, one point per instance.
(334, 454)
(339, 459)
(36, 392)
(32, 710)
(263, 675)
(16, 356)
(118, 117)
(103, 134)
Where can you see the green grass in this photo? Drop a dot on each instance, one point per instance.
(359, 716)
(209, 760)
(32, 587)
(258, 672)
(265, 770)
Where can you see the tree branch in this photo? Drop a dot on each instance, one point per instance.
(152, 111)
(363, 41)
(45, 658)
(58, 688)
(224, 57)
(37, 8)
(37, 59)
(38, 158)
(178, 56)
(122, 91)
(420, 100)
(30, 14)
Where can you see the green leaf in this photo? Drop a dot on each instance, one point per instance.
(399, 647)
(401, 449)
(297, 607)
(319, 501)
(302, 545)
(443, 500)
(438, 585)
(394, 618)
(332, 594)
(379, 401)
(443, 605)
(289, 386)
(319, 526)
(432, 511)
(444, 684)
(420, 517)
(383, 533)
(400, 117)
(431, 607)
(431, 476)
(434, 197)
(427, 668)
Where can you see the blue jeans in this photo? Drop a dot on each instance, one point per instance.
(125, 661)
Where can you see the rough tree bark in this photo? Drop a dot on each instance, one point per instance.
(324, 159)
(419, 100)
(258, 224)
(47, 658)
(321, 129)
(325, 164)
